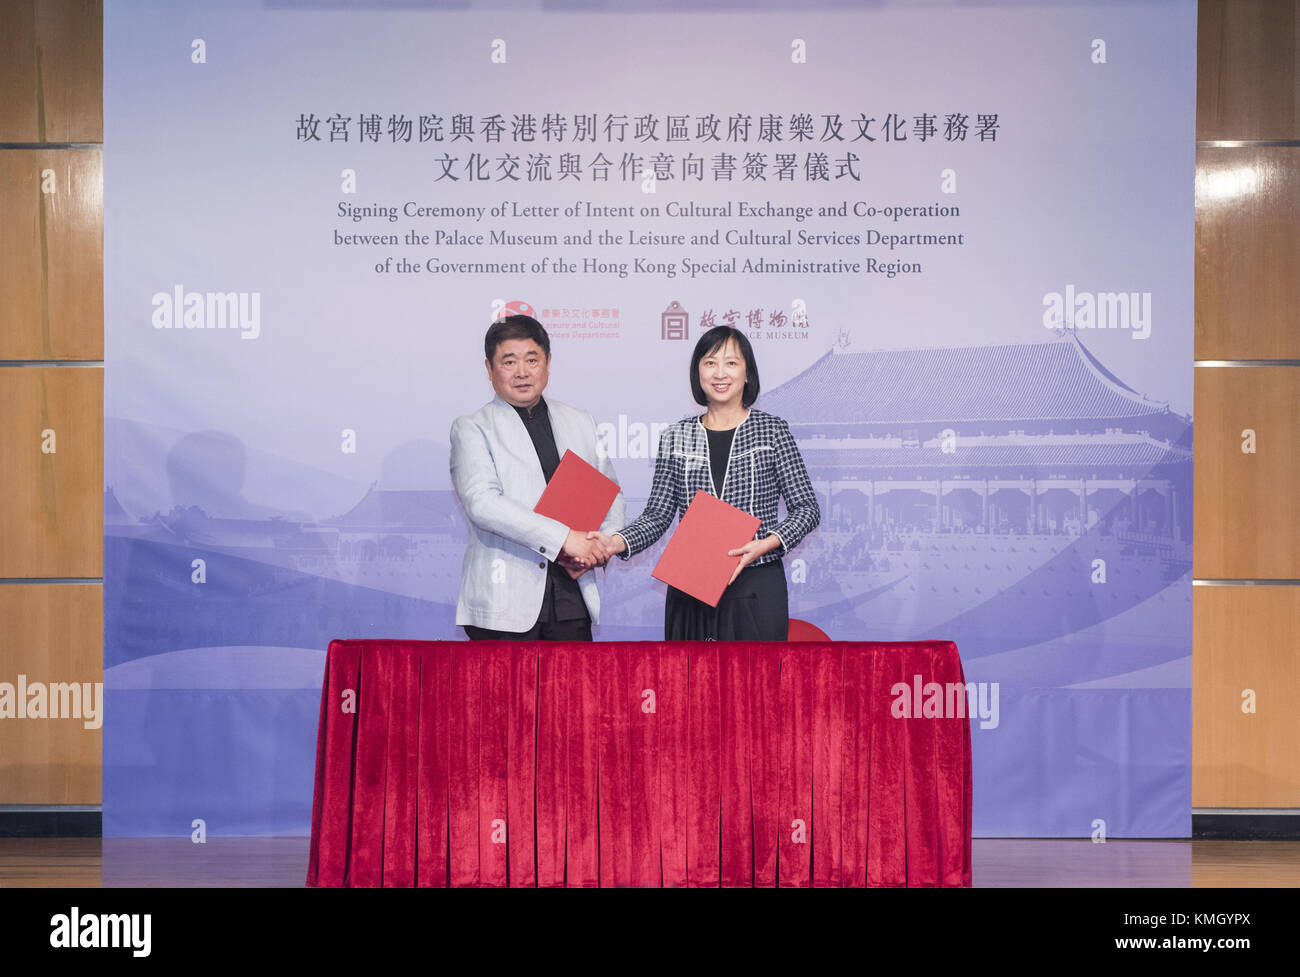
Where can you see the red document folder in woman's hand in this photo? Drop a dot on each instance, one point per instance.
(695, 560)
(577, 495)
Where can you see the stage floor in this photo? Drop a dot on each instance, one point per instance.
(998, 863)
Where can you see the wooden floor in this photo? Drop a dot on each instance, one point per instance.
(1031, 863)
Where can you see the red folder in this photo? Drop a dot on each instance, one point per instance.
(695, 560)
(577, 495)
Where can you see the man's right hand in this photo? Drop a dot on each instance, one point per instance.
(582, 550)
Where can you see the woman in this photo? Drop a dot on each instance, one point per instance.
(747, 458)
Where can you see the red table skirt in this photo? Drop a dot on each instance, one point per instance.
(446, 763)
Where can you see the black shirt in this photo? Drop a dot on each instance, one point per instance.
(719, 454)
(563, 599)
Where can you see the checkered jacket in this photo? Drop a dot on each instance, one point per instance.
(765, 463)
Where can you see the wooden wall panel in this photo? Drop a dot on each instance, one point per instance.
(52, 255)
(1248, 253)
(1247, 523)
(51, 308)
(52, 71)
(50, 633)
(1247, 308)
(1247, 83)
(51, 522)
(1246, 638)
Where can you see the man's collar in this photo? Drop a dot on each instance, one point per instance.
(527, 414)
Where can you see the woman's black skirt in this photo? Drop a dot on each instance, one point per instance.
(754, 608)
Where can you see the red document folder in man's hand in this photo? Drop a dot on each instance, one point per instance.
(695, 560)
(577, 495)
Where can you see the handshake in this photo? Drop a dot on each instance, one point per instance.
(582, 551)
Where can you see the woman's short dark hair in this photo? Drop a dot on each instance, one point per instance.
(710, 343)
(515, 327)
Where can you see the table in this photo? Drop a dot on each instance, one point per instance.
(451, 763)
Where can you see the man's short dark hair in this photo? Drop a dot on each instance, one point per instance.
(710, 343)
(515, 327)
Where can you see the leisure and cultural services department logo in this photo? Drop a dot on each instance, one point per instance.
(580, 321)
(502, 309)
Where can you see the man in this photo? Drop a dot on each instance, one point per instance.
(525, 575)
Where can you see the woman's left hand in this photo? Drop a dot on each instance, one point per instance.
(750, 552)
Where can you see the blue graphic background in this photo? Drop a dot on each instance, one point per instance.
(950, 435)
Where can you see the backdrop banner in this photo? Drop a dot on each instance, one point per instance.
(959, 237)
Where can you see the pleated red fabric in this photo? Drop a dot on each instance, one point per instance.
(794, 809)
(736, 826)
(370, 782)
(855, 768)
(765, 758)
(402, 672)
(433, 764)
(671, 721)
(521, 767)
(331, 811)
(643, 773)
(952, 775)
(703, 747)
(886, 800)
(827, 761)
(699, 764)
(493, 786)
(614, 839)
(552, 763)
(582, 847)
(464, 773)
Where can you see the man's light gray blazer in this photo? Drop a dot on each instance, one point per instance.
(498, 478)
